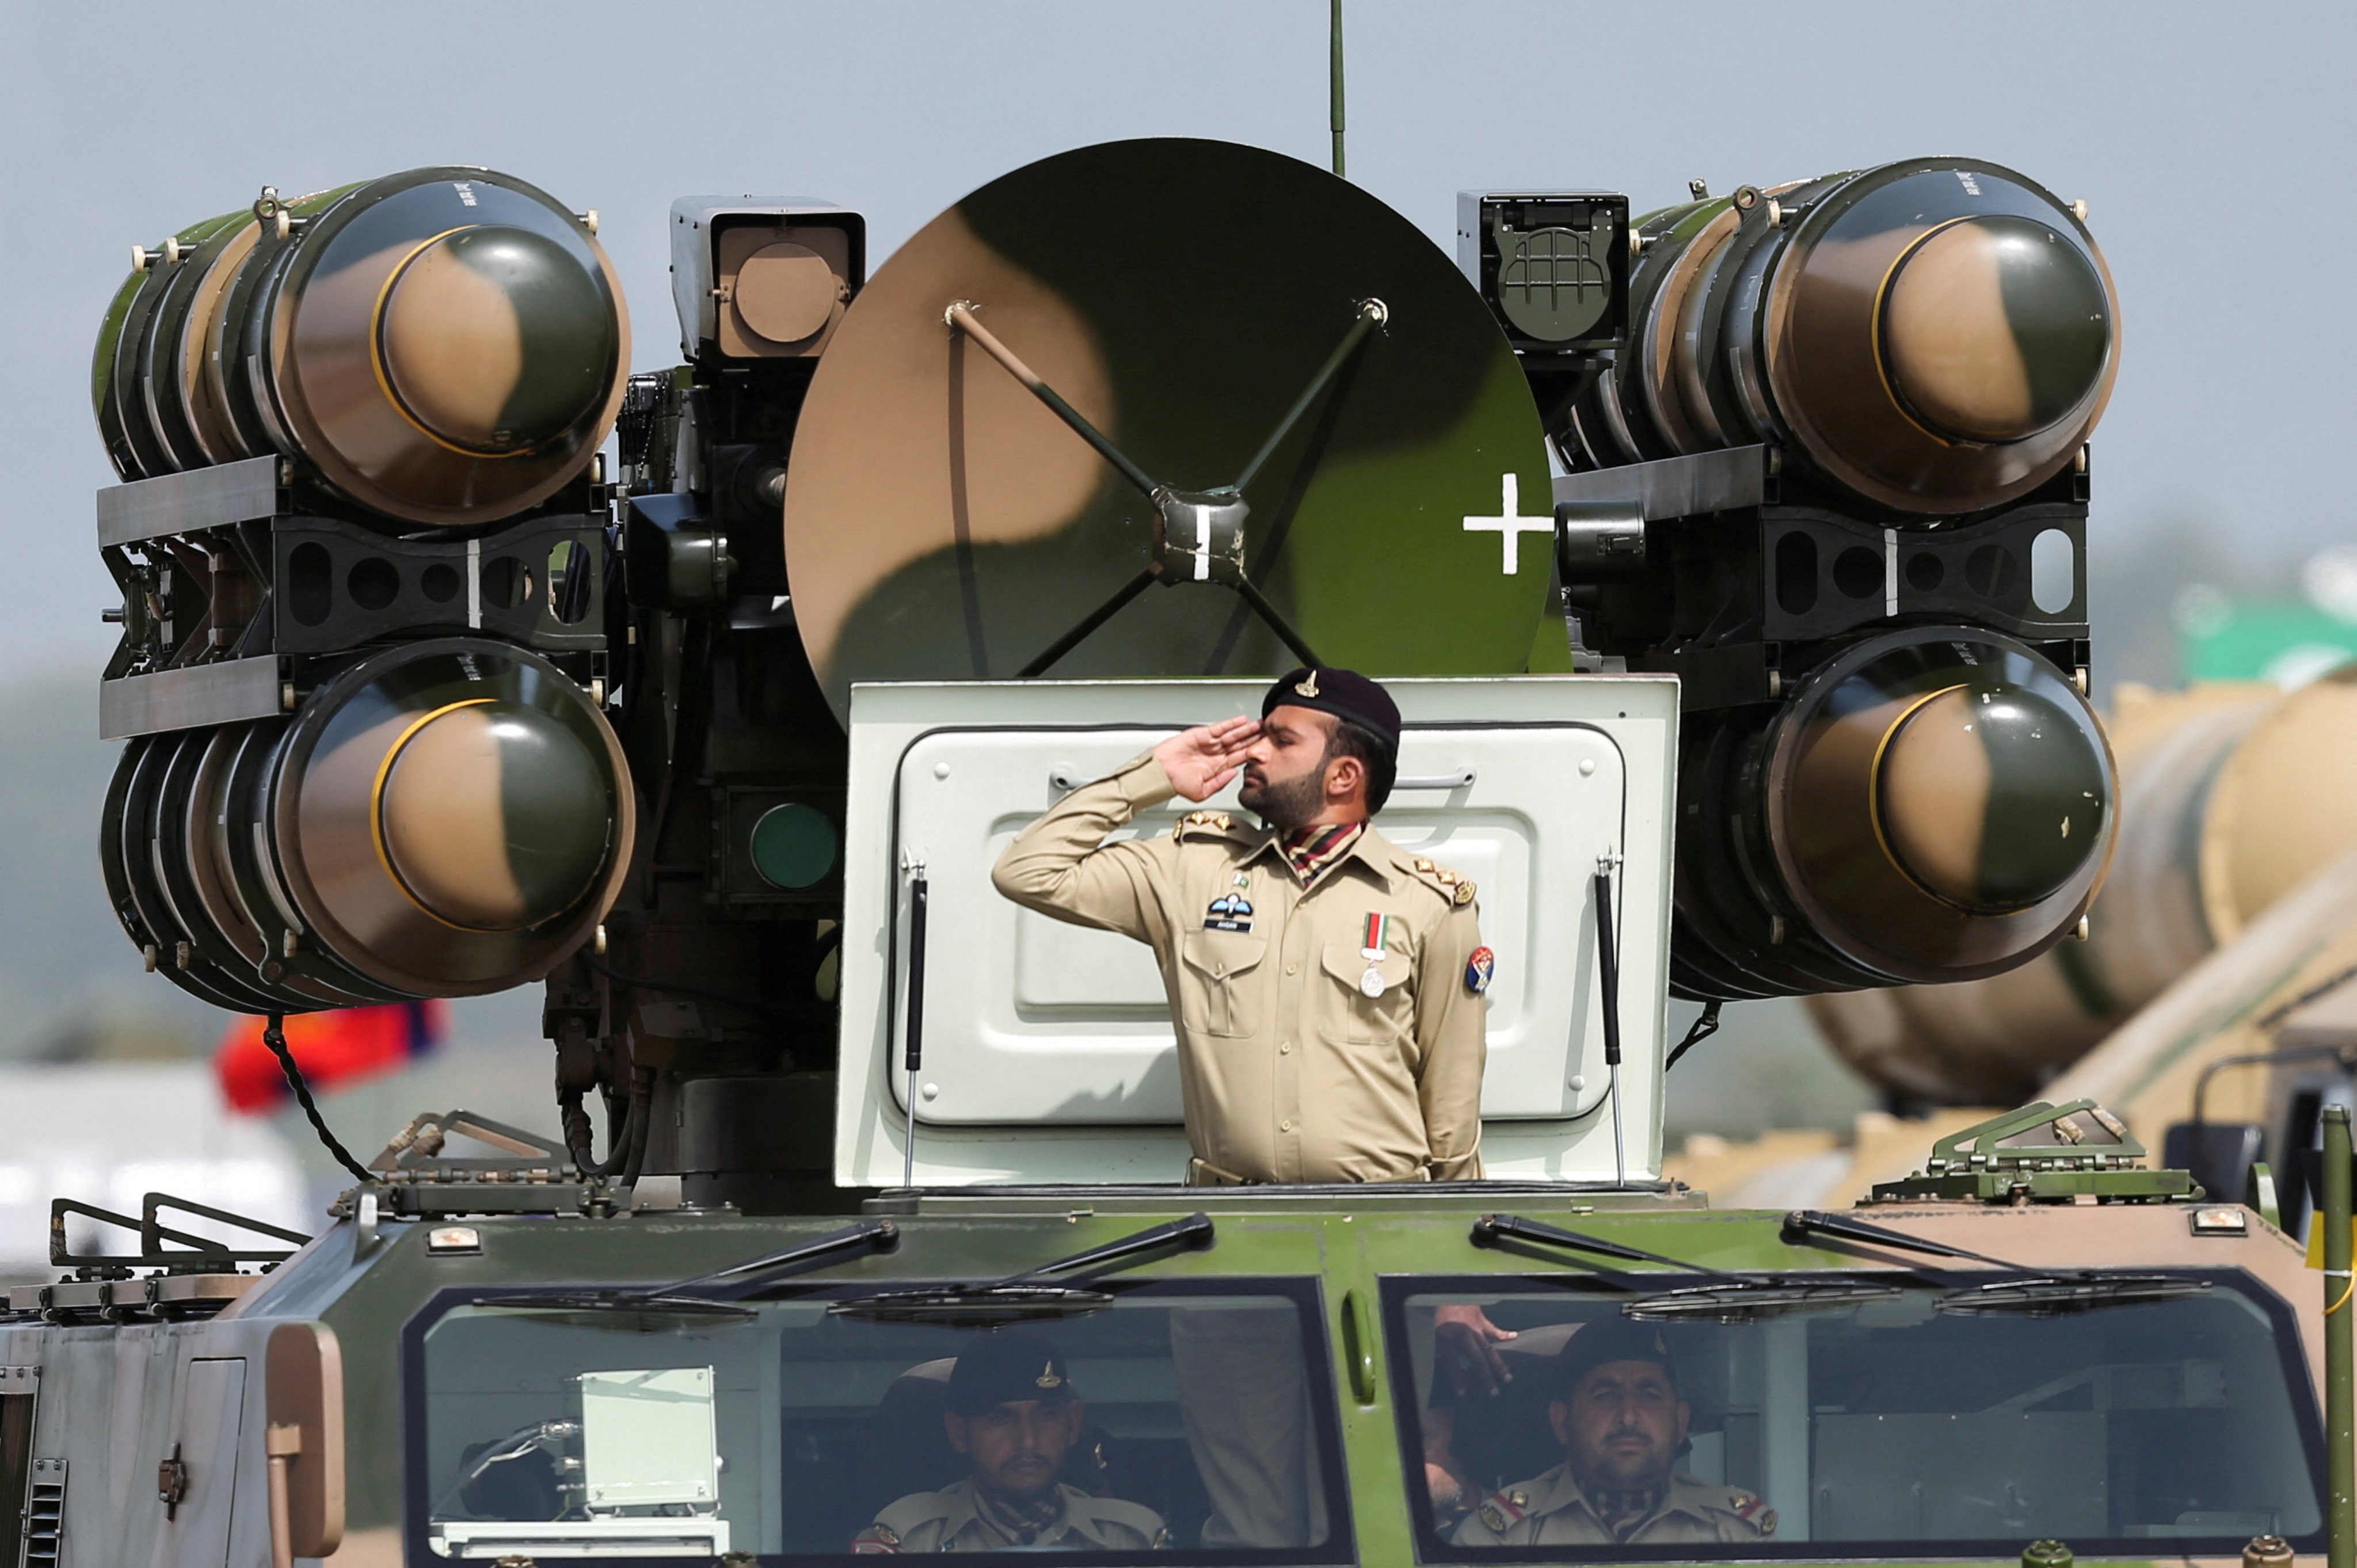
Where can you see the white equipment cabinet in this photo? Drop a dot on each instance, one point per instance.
(1047, 1050)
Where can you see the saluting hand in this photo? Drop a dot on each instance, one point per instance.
(1201, 761)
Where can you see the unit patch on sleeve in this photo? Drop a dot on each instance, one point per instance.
(1478, 969)
(1229, 912)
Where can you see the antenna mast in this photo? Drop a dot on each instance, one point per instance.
(1334, 79)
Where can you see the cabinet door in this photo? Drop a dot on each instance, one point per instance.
(205, 1438)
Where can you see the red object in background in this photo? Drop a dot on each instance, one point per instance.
(334, 1047)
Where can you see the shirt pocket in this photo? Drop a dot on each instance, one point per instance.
(1219, 984)
(1346, 1012)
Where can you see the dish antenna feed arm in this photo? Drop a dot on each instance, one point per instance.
(1199, 536)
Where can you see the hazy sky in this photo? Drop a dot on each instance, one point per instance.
(2213, 145)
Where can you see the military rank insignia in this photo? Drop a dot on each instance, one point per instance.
(1478, 969)
(1229, 912)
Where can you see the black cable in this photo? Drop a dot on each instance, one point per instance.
(641, 1095)
(274, 1035)
(577, 1135)
(1705, 1026)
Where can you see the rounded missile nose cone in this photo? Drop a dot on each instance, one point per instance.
(1990, 798)
(1994, 328)
(495, 340)
(492, 816)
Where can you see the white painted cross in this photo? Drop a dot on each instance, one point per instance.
(1509, 528)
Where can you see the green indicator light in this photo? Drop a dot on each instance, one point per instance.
(793, 845)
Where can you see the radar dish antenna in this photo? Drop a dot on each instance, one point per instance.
(1178, 363)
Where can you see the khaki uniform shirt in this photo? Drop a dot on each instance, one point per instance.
(1289, 1071)
(956, 1520)
(1552, 1511)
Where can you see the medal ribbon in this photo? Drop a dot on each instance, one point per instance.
(1379, 930)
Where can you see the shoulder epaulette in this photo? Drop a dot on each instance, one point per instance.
(1455, 889)
(1504, 1507)
(1203, 823)
(878, 1539)
(1751, 1511)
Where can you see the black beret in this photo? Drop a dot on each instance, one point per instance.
(1608, 1339)
(1006, 1367)
(1345, 693)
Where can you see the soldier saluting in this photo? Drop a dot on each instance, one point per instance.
(1325, 985)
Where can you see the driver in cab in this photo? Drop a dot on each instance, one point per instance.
(1013, 1414)
(1622, 1424)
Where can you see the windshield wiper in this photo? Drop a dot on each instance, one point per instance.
(719, 1293)
(2035, 1292)
(1727, 1297)
(2049, 1295)
(1035, 1293)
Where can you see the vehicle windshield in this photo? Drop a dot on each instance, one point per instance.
(1891, 1428)
(1194, 1422)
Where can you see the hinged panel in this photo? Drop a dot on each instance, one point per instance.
(1030, 1019)
(1062, 1034)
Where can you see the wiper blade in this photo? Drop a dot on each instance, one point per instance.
(1727, 1297)
(976, 1305)
(1745, 1298)
(2034, 1291)
(2050, 1296)
(616, 1300)
(1034, 1293)
(717, 1294)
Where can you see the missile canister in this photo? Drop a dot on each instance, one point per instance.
(445, 347)
(1936, 335)
(1933, 804)
(2232, 795)
(444, 818)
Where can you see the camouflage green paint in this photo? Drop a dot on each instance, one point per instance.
(1357, 528)
(2044, 766)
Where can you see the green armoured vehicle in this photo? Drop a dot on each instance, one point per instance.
(1781, 694)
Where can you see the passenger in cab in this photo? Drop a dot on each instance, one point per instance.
(1622, 1424)
(1014, 1414)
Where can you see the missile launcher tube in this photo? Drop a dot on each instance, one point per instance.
(1936, 336)
(444, 346)
(2232, 795)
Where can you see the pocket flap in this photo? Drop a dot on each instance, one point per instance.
(1348, 965)
(1221, 953)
